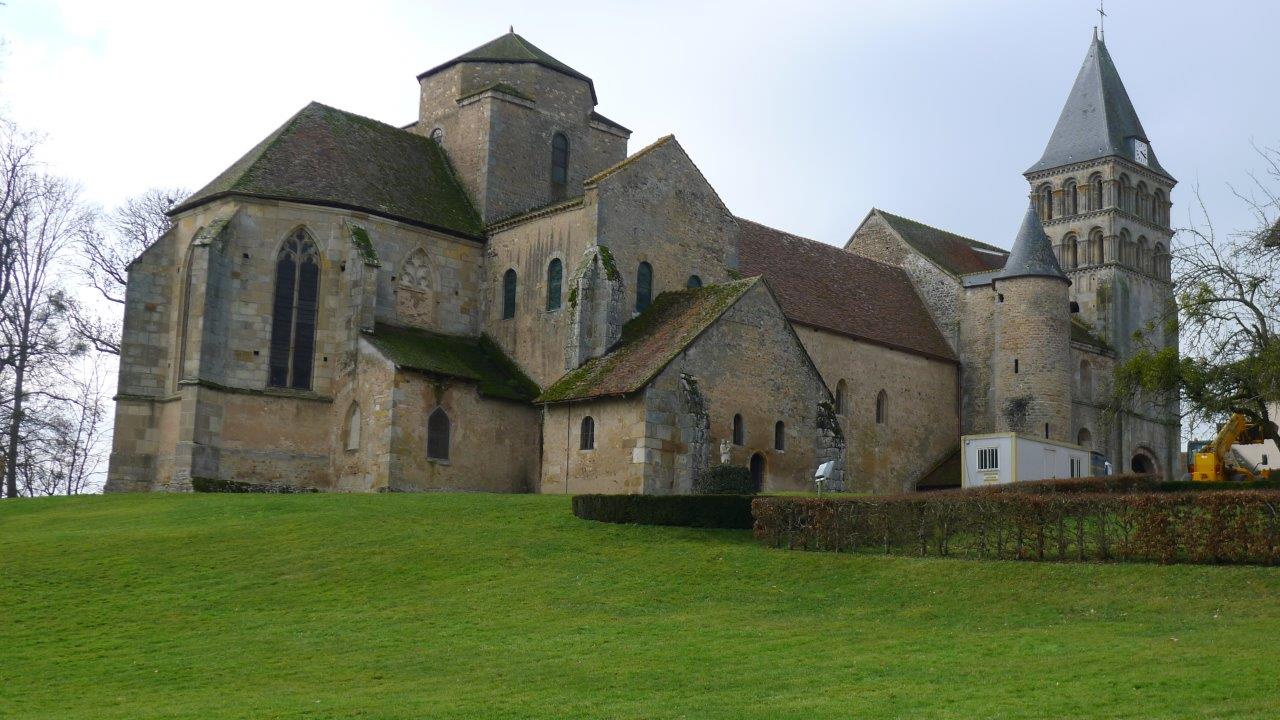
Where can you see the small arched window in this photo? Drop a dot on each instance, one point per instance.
(694, 282)
(352, 429)
(559, 165)
(1071, 198)
(780, 436)
(293, 313)
(1095, 246)
(644, 286)
(1095, 192)
(437, 135)
(1071, 252)
(842, 394)
(739, 431)
(882, 407)
(509, 294)
(555, 278)
(438, 435)
(587, 434)
(1046, 201)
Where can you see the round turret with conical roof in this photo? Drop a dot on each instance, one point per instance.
(1032, 323)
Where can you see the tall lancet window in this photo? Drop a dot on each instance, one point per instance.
(293, 313)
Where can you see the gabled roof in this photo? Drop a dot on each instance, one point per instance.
(1098, 120)
(825, 287)
(478, 360)
(649, 343)
(512, 48)
(1032, 254)
(326, 156)
(954, 253)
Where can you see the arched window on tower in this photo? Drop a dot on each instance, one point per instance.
(1142, 201)
(1071, 198)
(509, 294)
(293, 312)
(1126, 247)
(644, 286)
(438, 435)
(882, 407)
(1096, 249)
(559, 166)
(1045, 199)
(1071, 251)
(555, 279)
(1095, 191)
(1158, 208)
(1160, 258)
(1143, 261)
(1125, 201)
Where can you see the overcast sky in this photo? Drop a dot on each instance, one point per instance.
(803, 115)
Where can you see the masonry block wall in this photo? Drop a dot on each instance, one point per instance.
(1031, 364)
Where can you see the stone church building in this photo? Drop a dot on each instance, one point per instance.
(498, 297)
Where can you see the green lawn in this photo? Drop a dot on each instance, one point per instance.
(423, 606)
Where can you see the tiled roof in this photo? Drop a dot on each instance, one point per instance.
(1098, 119)
(476, 359)
(512, 48)
(822, 286)
(956, 254)
(326, 156)
(649, 342)
(1032, 254)
(1081, 333)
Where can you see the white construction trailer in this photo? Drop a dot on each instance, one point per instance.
(998, 458)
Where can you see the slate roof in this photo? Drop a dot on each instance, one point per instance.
(326, 156)
(478, 360)
(1098, 119)
(954, 253)
(649, 343)
(512, 48)
(825, 287)
(1032, 254)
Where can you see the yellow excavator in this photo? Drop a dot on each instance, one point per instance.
(1239, 452)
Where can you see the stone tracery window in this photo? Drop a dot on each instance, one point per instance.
(416, 271)
(293, 313)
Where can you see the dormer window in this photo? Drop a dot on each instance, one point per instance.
(559, 166)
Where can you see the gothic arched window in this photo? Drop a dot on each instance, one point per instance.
(509, 294)
(1045, 196)
(438, 435)
(555, 278)
(1070, 198)
(739, 431)
(559, 165)
(415, 273)
(293, 313)
(644, 286)
(882, 407)
(587, 435)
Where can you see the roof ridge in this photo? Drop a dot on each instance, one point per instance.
(969, 240)
(628, 160)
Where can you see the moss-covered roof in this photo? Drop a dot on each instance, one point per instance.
(649, 343)
(1082, 333)
(479, 360)
(326, 156)
(512, 48)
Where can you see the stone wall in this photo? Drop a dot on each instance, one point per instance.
(616, 463)
(1031, 365)
(493, 444)
(921, 425)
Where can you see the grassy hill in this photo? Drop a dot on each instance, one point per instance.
(425, 606)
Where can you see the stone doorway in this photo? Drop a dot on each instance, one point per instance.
(757, 471)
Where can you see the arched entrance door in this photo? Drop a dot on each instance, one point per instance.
(1142, 464)
(757, 471)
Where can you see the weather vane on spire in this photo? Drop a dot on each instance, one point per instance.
(1102, 20)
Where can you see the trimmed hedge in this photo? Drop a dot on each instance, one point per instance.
(725, 480)
(1227, 526)
(706, 511)
(214, 485)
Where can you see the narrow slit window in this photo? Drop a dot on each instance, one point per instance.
(739, 431)
(780, 436)
(509, 294)
(555, 279)
(644, 286)
(559, 166)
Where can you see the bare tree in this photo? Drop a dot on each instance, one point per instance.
(33, 317)
(1227, 288)
(62, 447)
(121, 236)
(19, 185)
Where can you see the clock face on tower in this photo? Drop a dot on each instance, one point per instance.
(1141, 151)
